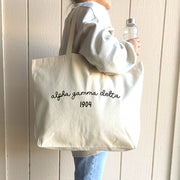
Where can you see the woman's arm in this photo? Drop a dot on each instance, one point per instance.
(103, 50)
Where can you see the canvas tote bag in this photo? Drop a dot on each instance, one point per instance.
(79, 108)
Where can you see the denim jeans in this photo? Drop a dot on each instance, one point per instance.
(90, 167)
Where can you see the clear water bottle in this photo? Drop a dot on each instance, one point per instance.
(130, 31)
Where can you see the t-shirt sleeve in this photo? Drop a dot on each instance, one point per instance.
(103, 50)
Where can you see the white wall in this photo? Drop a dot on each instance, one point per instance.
(33, 29)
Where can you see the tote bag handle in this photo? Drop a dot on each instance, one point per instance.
(71, 31)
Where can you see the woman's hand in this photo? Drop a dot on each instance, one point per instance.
(137, 45)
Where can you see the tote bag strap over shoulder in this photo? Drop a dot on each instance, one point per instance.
(71, 31)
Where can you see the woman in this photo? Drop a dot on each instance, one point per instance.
(95, 41)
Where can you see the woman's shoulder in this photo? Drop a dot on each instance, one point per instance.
(93, 9)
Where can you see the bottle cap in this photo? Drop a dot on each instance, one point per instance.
(130, 22)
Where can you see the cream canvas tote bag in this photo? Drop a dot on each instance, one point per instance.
(79, 108)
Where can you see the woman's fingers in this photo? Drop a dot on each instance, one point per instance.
(137, 44)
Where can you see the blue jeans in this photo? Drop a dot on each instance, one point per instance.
(90, 167)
